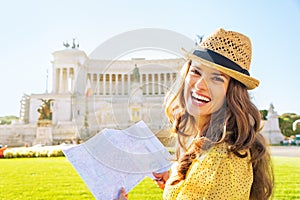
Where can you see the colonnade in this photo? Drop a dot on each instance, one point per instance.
(115, 83)
(120, 84)
(64, 80)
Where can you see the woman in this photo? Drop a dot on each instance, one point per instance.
(221, 154)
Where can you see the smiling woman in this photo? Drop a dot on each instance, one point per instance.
(205, 90)
(221, 154)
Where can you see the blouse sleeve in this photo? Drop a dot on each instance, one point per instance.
(218, 175)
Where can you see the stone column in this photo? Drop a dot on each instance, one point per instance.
(67, 80)
(98, 84)
(128, 83)
(171, 78)
(158, 84)
(110, 84)
(153, 84)
(55, 79)
(122, 78)
(104, 84)
(71, 75)
(60, 80)
(147, 84)
(93, 83)
(116, 84)
(141, 79)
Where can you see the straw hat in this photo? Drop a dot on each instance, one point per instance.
(229, 52)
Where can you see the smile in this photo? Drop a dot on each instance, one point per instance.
(199, 98)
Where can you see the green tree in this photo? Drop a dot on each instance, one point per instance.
(263, 114)
(286, 121)
(7, 119)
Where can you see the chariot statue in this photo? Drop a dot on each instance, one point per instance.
(45, 112)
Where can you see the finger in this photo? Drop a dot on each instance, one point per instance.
(123, 194)
(160, 184)
(123, 191)
(158, 179)
(166, 176)
(161, 177)
(157, 175)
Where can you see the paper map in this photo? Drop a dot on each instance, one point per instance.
(118, 158)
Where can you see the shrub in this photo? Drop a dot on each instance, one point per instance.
(35, 151)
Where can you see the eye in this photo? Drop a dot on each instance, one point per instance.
(218, 78)
(195, 71)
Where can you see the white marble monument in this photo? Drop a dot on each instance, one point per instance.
(123, 92)
(271, 130)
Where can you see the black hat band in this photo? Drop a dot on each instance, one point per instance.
(217, 58)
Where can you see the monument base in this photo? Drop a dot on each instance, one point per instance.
(44, 136)
(273, 137)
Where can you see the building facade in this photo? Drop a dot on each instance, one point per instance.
(89, 95)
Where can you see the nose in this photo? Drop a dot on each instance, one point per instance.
(201, 84)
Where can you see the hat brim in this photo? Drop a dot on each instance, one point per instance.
(248, 81)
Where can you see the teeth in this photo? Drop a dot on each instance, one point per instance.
(199, 97)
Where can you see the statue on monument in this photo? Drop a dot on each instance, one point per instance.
(66, 44)
(271, 110)
(136, 74)
(271, 130)
(45, 112)
(74, 45)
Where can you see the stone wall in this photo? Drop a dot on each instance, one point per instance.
(63, 132)
(30, 134)
(17, 135)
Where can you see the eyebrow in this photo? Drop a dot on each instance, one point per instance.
(219, 74)
(214, 73)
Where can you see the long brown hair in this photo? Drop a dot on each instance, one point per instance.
(237, 123)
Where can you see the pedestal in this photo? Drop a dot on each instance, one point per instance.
(44, 136)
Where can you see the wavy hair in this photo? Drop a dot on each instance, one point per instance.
(237, 123)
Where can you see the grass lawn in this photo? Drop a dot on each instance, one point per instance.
(55, 178)
(287, 178)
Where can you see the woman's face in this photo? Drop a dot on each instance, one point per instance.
(205, 90)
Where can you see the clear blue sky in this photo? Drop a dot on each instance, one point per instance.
(32, 30)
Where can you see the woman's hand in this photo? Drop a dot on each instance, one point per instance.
(122, 195)
(161, 178)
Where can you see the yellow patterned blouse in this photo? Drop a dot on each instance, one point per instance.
(216, 174)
